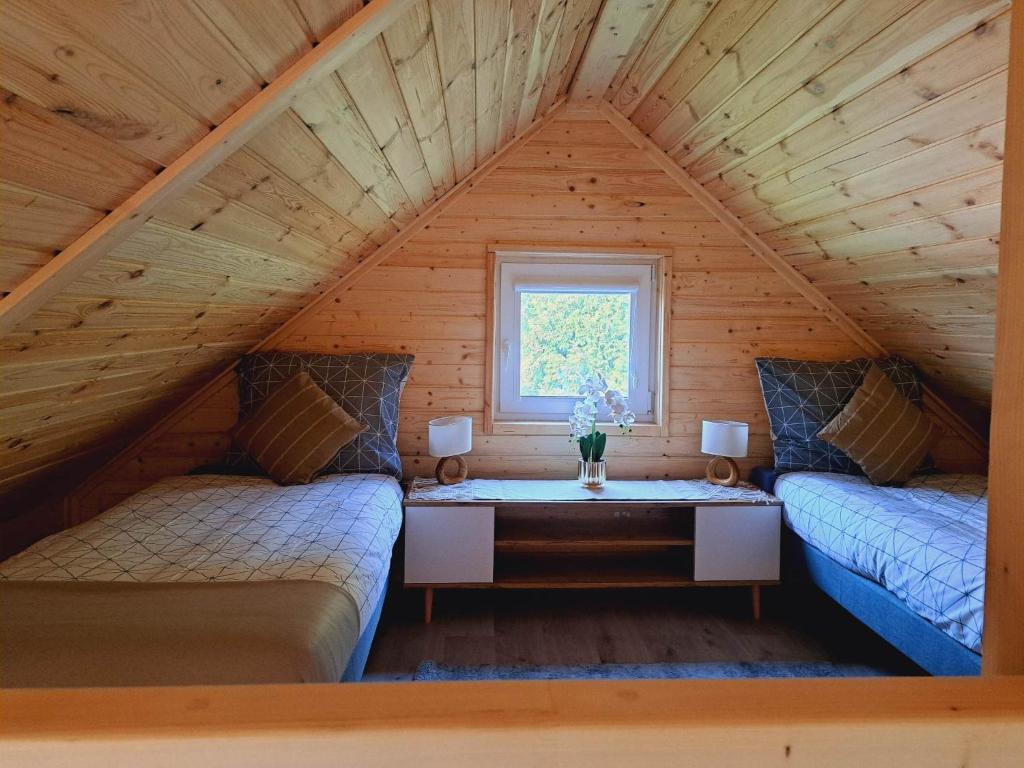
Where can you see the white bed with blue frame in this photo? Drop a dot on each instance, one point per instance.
(907, 562)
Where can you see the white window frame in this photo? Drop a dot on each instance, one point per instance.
(642, 276)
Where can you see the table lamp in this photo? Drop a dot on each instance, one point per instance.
(724, 440)
(448, 438)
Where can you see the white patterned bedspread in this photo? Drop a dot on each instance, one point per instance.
(924, 542)
(339, 529)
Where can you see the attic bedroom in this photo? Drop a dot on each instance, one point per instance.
(415, 341)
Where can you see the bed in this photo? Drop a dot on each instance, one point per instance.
(907, 561)
(206, 579)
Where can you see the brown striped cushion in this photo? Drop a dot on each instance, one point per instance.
(296, 431)
(880, 429)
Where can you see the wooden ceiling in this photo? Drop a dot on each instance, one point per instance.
(861, 139)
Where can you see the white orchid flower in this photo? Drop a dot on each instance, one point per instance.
(585, 409)
(594, 389)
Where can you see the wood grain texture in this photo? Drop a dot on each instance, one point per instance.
(790, 276)
(759, 57)
(523, 30)
(428, 298)
(454, 28)
(130, 467)
(1004, 592)
(859, 142)
(849, 134)
(922, 30)
(198, 160)
(901, 129)
(616, 627)
(718, 34)
(620, 32)
(843, 723)
(49, 60)
(674, 31)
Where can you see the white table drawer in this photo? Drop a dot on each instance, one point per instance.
(737, 543)
(449, 545)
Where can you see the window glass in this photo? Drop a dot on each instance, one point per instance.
(567, 336)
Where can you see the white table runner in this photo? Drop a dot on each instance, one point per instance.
(428, 489)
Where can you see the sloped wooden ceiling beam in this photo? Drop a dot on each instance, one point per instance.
(785, 270)
(347, 282)
(203, 157)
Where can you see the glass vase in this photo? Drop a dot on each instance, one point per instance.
(592, 473)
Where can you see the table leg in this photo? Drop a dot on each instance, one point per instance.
(755, 594)
(428, 604)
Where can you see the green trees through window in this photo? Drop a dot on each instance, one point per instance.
(564, 336)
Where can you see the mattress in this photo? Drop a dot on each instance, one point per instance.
(924, 542)
(204, 579)
(338, 529)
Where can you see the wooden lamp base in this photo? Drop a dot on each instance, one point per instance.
(461, 470)
(713, 468)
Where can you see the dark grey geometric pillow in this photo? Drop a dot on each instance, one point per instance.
(802, 396)
(367, 385)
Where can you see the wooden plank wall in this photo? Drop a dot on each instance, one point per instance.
(862, 139)
(579, 181)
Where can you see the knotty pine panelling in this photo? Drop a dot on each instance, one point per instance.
(99, 97)
(863, 140)
(578, 182)
(216, 270)
(96, 100)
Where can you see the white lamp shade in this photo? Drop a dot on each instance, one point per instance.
(724, 438)
(450, 436)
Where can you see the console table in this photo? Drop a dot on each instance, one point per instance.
(520, 534)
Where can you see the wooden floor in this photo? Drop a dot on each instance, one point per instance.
(619, 626)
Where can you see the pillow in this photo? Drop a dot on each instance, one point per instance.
(367, 385)
(802, 396)
(880, 429)
(296, 431)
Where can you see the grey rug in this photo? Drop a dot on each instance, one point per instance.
(430, 670)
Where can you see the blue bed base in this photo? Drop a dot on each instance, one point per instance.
(881, 611)
(357, 661)
(884, 613)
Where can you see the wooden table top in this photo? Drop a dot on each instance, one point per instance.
(483, 491)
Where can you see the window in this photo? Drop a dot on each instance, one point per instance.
(559, 317)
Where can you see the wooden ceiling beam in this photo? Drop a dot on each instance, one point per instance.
(784, 269)
(199, 160)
